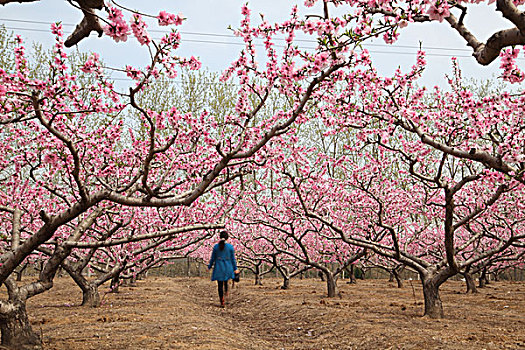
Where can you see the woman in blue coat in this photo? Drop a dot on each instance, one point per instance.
(224, 265)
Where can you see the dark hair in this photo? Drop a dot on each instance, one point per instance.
(223, 236)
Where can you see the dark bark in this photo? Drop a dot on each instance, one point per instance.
(397, 277)
(17, 333)
(331, 285)
(258, 277)
(258, 280)
(115, 283)
(321, 275)
(20, 272)
(351, 275)
(286, 283)
(483, 278)
(91, 296)
(471, 285)
(433, 305)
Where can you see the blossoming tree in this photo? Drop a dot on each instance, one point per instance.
(66, 158)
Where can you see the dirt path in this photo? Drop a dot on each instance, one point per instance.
(183, 313)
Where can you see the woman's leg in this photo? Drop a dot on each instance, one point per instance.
(220, 285)
(226, 288)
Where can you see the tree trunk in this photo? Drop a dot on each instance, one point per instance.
(390, 276)
(258, 278)
(471, 285)
(19, 275)
(17, 333)
(399, 281)
(351, 275)
(433, 305)
(286, 283)
(331, 285)
(90, 296)
(321, 275)
(115, 283)
(483, 278)
(20, 272)
(133, 281)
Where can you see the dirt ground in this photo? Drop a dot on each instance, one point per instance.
(183, 313)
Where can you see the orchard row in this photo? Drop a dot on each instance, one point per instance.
(310, 158)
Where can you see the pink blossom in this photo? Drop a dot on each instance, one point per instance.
(133, 73)
(511, 72)
(138, 26)
(166, 19)
(172, 39)
(438, 11)
(91, 65)
(193, 63)
(390, 37)
(245, 11)
(118, 29)
(51, 159)
(56, 29)
(309, 3)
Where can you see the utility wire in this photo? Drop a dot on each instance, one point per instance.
(282, 46)
(233, 36)
(261, 45)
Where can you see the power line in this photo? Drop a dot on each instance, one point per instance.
(280, 46)
(233, 36)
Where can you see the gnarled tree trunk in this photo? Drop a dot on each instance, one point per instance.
(433, 305)
(398, 279)
(115, 283)
(351, 275)
(331, 285)
(471, 285)
(17, 333)
(258, 277)
(90, 295)
(483, 280)
(286, 283)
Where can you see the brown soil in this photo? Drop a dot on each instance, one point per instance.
(183, 313)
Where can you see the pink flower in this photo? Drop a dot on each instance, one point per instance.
(511, 72)
(440, 12)
(91, 65)
(390, 37)
(309, 3)
(192, 63)
(56, 29)
(138, 26)
(133, 73)
(166, 19)
(172, 38)
(245, 10)
(118, 29)
(51, 159)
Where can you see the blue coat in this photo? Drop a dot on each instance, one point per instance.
(224, 261)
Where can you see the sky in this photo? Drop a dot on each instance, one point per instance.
(205, 34)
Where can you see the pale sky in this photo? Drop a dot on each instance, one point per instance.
(216, 49)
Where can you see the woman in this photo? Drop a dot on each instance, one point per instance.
(224, 265)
